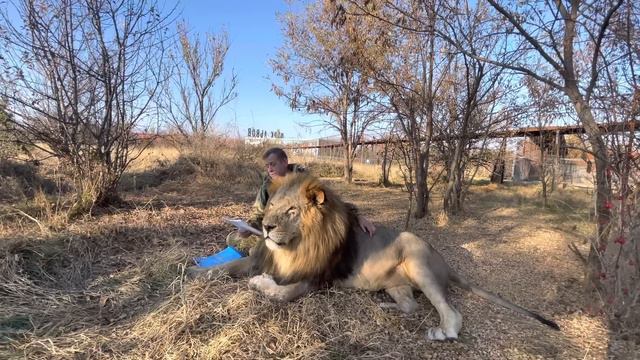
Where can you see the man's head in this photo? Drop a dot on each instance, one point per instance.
(276, 162)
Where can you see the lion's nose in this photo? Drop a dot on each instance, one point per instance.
(268, 227)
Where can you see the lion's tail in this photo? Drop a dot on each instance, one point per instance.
(464, 284)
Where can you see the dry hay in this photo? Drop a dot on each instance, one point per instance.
(112, 287)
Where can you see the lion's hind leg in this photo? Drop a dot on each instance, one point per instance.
(436, 291)
(403, 297)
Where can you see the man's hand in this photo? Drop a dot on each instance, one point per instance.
(366, 225)
(244, 233)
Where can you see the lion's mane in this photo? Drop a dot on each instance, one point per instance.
(326, 248)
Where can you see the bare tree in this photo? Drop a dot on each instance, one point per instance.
(7, 145)
(190, 100)
(387, 155)
(407, 69)
(568, 37)
(617, 103)
(320, 73)
(590, 54)
(413, 74)
(475, 96)
(544, 107)
(412, 97)
(79, 77)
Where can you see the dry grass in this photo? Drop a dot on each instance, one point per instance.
(153, 156)
(112, 286)
(334, 168)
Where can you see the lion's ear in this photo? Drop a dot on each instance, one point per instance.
(315, 194)
(319, 196)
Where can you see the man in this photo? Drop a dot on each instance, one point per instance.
(277, 166)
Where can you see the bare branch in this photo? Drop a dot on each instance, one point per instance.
(596, 51)
(517, 24)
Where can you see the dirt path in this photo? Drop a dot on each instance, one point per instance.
(128, 300)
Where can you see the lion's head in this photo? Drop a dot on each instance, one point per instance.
(306, 227)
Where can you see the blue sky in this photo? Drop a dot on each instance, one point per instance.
(255, 36)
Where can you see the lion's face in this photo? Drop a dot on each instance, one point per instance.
(287, 212)
(281, 224)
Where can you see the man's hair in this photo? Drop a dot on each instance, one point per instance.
(278, 152)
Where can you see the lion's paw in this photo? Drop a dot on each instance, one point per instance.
(261, 282)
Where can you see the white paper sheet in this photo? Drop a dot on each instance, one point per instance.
(242, 225)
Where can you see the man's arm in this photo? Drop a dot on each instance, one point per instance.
(258, 208)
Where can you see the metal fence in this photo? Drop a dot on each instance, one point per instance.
(365, 154)
(519, 166)
(575, 172)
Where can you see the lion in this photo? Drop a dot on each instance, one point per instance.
(312, 239)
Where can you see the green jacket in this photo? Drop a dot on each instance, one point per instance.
(263, 196)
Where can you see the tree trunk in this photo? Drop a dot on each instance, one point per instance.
(497, 175)
(424, 154)
(452, 193)
(556, 162)
(421, 187)
(603, 187)
(386, 165)
(348, 164)
(543, 169)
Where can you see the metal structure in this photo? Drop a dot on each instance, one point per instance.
(511, 133)
(519, 165)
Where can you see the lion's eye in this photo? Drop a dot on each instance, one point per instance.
(292, 211)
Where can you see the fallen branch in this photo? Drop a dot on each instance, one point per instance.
(43, 228)
(574, 248)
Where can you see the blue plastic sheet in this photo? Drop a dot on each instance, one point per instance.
(226, 255)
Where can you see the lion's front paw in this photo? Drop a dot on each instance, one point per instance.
(436, 334)
(261, 282)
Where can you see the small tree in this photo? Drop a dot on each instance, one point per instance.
(618, 104)
(386, 155)
(190, 100)
(320, 72)
(569, 38)
(407, 71)
(544, 106)
(79, 76)
(475, 99)
(7, 146)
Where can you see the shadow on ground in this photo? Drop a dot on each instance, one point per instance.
(112, 287)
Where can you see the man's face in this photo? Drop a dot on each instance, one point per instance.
(275, 166)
